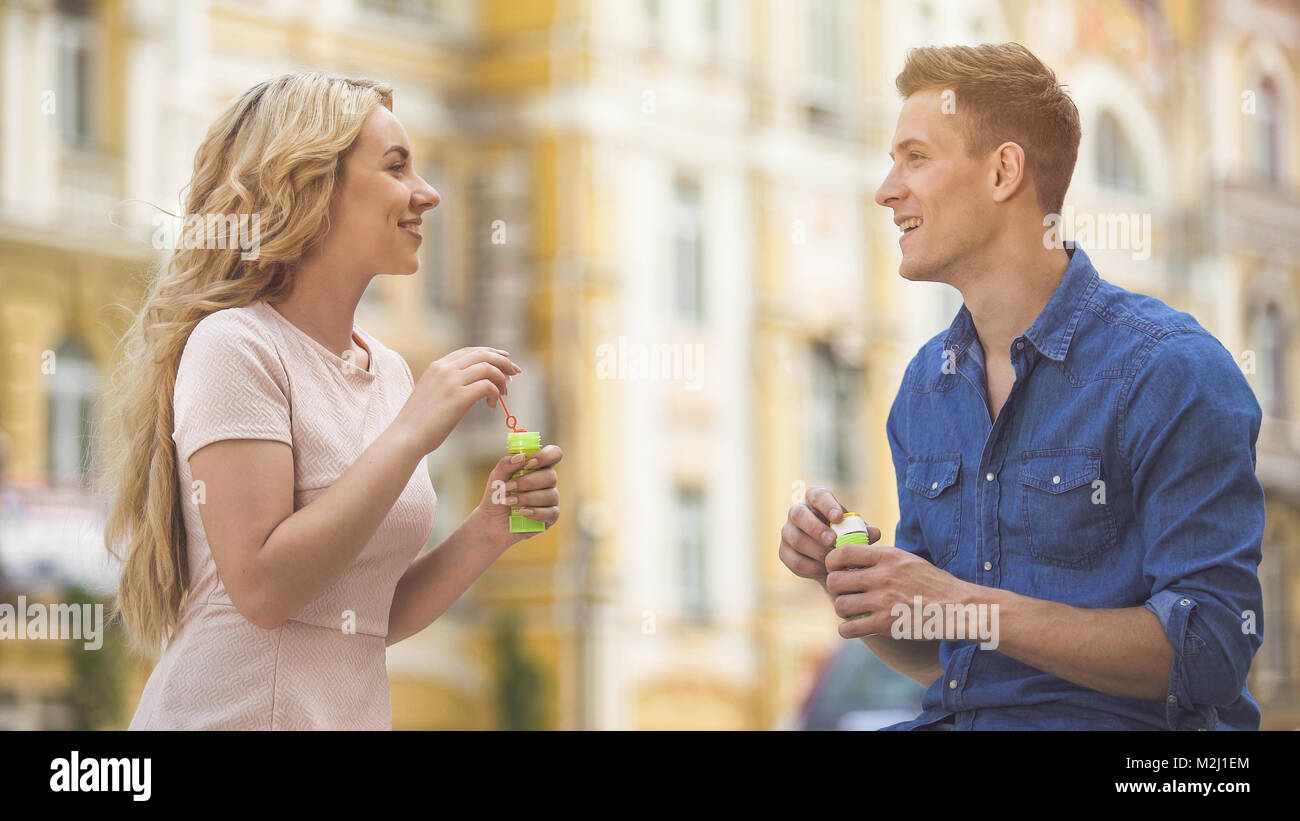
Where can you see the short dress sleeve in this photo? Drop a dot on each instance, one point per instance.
(231, 384)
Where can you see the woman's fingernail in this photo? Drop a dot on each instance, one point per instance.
(528, 511)
(512, 501)
(532, 463)
(829, 537)
(511, 487)
(517, 458)
(835, 513)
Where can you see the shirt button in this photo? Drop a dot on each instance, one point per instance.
(1056, 480)
(988, 476)
(952, 685)
(1185, 602)
(934, 486)
(988, 565)
(1020, 346)
(1173, 699)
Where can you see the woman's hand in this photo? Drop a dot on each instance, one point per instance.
(536, 492)
(448, 387)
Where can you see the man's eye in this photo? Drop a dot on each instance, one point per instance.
(915, 156)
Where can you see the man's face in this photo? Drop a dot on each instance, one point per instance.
(375, 211)
(936, 187)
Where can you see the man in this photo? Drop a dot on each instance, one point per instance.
(1074, 462)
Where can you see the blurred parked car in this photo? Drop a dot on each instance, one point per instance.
(854, 690)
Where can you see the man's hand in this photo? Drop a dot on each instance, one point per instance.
(873, 578)
(806, 538)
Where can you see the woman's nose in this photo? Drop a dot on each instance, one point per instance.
(427, 197)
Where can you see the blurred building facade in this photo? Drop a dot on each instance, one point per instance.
(665, 210)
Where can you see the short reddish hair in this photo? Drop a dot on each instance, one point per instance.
(1003, 93)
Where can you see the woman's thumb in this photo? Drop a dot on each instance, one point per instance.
(508, 465)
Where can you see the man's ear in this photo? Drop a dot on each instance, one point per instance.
(1008, 172)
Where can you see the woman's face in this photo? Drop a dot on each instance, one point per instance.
(375, 210)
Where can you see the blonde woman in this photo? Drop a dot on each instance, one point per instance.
(268, 456)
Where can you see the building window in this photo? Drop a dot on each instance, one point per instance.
(691, 527)
(712, 18)
(826, 64)
(423, 11)
(1116, 160)
(688, 252)
(1269, 339)
(70, 412)
(833, 428)
(78, 46)
(1266, 134)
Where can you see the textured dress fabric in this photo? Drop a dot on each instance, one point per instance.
(249, 373)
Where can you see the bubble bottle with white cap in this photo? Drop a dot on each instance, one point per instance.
(851, 530)
(527, 442)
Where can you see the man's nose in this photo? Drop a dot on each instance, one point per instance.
(889, 190)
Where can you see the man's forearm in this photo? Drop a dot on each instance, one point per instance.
(1121, 652)
(437, 579)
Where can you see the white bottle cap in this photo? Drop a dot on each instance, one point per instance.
(851, 523)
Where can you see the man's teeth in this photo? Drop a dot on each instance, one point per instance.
(908, 224)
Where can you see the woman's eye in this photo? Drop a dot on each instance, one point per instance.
(397, 167)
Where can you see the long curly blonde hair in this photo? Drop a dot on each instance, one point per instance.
(277, 152)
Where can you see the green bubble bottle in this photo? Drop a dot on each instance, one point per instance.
(527, 442)
(851, 530)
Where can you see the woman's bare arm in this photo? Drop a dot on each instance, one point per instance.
(275, 561)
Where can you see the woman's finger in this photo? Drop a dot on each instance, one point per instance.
(536, 480)
(549, 455)
(535, 498)
(550, 515)
(486, 370)
(465, 357)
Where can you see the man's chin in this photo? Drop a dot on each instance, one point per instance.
(915, 271)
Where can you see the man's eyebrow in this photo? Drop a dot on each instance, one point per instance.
(902, 146)
(405, 154)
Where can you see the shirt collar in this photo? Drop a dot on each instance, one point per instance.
(1054, 328)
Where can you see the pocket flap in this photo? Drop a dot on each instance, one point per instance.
(928, 475)
(1060, 469)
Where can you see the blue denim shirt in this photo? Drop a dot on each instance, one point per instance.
(1120, 472)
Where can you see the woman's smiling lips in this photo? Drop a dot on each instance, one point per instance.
(410, 228)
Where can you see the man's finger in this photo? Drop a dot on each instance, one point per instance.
(806, 520)
(853, 555)
(800, 564)
(803, 545)
(844, 582)
(823, 503)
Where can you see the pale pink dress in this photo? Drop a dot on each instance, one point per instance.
(248, 373)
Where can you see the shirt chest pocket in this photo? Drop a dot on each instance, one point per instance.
(1065, 517)
(934, 480)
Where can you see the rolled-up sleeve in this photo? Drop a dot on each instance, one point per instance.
(1189, 424)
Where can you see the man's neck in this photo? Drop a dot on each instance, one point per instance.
(1011, 290)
